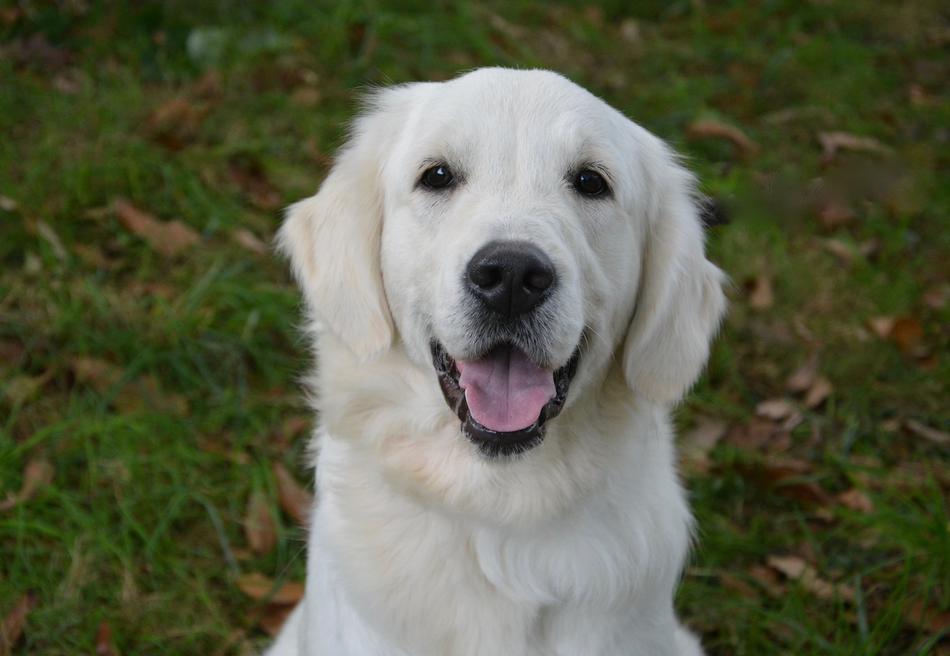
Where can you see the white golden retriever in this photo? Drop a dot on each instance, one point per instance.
(508, 291)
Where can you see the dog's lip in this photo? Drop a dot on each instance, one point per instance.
(497, 443)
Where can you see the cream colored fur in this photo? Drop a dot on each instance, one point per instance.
(420, 545)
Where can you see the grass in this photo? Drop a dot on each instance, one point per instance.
(153, 463)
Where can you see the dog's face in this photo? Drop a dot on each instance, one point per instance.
(515, 235)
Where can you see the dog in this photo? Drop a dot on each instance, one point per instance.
(507, 292)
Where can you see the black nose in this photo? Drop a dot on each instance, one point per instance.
(510, 277)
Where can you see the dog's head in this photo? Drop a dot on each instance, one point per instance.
(515, 236)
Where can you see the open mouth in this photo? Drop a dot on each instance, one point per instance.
(502, 398)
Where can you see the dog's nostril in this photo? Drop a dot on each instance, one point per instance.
(538, 280)
(486, 276)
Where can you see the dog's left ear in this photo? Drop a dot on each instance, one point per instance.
(680, 301)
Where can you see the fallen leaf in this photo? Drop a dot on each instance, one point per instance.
(833, 142)
(907, 334)
(857, 500)
(803, 377)
(931, 434)
(788, 478)
(37, 474)
(8, 204)
(711, 129)
(167, 237)
(306, 96)
(176, 122)
(259, 527)
(882, 326)
(926, 617)
(250, 241)
(261, 588)
(295, 500)
(775, 409)
(104, 644)
(820, 390)
(760, 293)
(696, 444)
(15, 621)
(768, 579)
(733, 583)
(21, 389)
(97, 373)
(840, 250)
(836, 214)
(274, 617)
(753, 435)
(795, 568)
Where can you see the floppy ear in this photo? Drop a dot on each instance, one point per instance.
(333, 240)
(680, 301)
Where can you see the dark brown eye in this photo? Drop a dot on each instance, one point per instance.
(590, 183)
(437, 177)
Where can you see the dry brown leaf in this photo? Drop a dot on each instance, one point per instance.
(753, 435)
(832, 142)
(926, 617)
(836, 214)
(37, 474)
(820, 390)
(104, 644)
(711, 129)
(261, 588)
(166, 237)
(293, 497)
(760, 292)
(775, 409)
(15, 621)
(95, 372)
(735, 584)
(20, 389)
(696, 444)
(931, 434)
(787, 477)
(803, 377)
(795, 568)
(857, 500)
(273, 618)
(907, 333)
(882, 326)
(842, 251)
(768, 579)
(259, 526)
(247, 239)
(176, 122)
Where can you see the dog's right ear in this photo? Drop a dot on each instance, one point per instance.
(333, 237)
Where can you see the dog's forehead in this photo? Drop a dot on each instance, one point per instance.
(492, 110)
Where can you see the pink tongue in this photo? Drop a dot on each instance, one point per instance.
(505, 391)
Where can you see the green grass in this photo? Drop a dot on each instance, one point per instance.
(142, 524)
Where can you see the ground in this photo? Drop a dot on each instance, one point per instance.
(149, 369)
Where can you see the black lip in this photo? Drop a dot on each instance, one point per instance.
(492, 443)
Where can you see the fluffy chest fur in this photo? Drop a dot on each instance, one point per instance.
(388, 552)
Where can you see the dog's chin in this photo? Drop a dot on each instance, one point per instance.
(494, 443)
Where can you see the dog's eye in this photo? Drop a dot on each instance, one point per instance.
(590, 183)
(437, 177)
